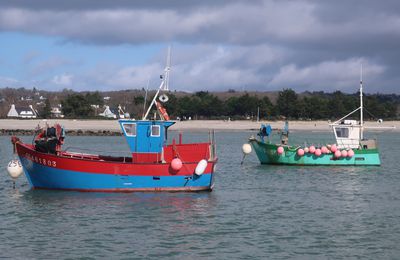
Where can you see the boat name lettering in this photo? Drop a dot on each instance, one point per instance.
(40, 160)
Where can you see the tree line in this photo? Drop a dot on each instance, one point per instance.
(289, 105)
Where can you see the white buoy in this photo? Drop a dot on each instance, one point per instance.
(14, 169)
(201, 167)
(246, 148)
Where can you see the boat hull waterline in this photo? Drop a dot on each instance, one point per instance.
(48, 171)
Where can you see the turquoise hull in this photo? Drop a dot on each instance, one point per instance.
(267, 154)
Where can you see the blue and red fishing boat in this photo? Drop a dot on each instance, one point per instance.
(154, 165)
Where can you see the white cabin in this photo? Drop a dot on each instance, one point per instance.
(347, 134)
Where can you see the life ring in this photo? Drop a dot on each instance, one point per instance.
(162, 111)
(163, 98)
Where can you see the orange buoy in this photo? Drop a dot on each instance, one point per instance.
(162, 111)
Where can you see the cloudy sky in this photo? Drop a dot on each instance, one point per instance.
(216, 45)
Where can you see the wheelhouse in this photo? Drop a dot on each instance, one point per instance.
(347, 134)
(146, 138)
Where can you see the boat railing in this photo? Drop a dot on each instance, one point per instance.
(348, 143)
(89, 150)
(90, 156)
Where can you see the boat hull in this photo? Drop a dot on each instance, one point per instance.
(47, 171)
(267, 154)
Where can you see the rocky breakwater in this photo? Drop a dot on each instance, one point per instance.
(79, 132)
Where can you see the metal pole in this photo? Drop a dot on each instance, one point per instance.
(164, 83)
(361, 106)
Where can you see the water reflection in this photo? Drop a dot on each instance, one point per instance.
(182, 203)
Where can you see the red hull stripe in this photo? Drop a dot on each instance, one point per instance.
(107, 167)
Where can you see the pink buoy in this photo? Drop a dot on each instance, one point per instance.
(306, 150)
(324, 149)
(338, 154)
(333, 148)
(176, 164)
(318, 152)
(350, 153)
(312, 149)
(344, 153)
(300, 152)
(280, 150)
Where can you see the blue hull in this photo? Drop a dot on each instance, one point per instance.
(44, 177)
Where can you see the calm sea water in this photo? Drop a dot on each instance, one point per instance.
(254, 212)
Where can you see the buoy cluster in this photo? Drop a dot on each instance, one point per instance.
(318, 151)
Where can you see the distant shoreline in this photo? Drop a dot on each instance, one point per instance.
(111, 127)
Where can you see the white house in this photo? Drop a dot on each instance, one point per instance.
(22, 112)
(108, 113)
(56, 112)
(114, 113)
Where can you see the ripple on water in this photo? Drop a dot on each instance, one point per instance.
(255, 211)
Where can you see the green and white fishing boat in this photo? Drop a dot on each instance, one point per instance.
(351, 148)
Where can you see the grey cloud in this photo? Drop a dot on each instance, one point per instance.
(343, 75)
(286, 23)
(77, 5)
(265, 44)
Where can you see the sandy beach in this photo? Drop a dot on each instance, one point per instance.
(218, 125)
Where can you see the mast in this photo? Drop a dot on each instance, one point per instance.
(145, 97)
(164, 83)
(167, 70)
(258, 114)
(361, 107)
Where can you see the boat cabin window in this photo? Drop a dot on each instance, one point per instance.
(130, 129)
(155, 130)
(342, 132)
